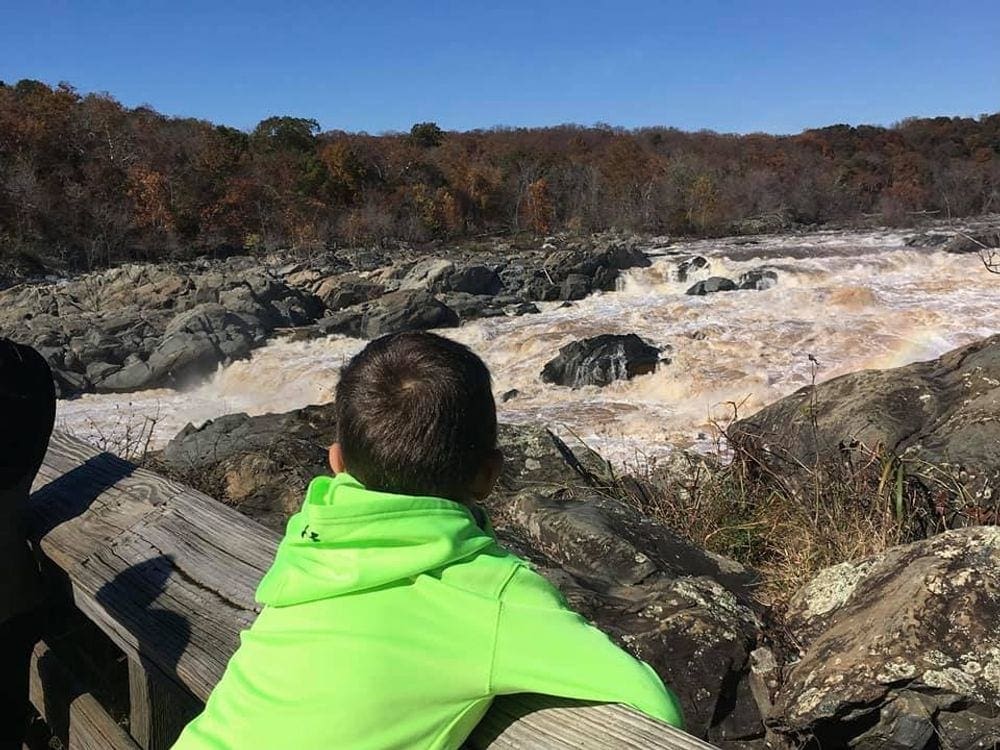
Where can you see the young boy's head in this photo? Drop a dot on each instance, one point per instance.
(416, 416)
(28, 406)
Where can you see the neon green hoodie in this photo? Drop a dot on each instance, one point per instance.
(390, 622)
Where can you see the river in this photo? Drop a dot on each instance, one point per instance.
(851, 300)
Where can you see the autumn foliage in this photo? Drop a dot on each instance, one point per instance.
(87, 181)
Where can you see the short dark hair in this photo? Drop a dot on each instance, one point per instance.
(28, 405)
(416, 416)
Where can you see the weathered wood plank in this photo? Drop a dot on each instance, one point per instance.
(72, 714)
(159, 708)
(537, 722)
(167, 572)
(169, 575)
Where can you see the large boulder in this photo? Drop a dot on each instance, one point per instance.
(472, 306)
(475, 279)
(427, 275)
(758, 280)
(261, 465)
(711, 286)
(601, 360)
(901, 650)
(406, 311)
(346, 290)
(940, 416)
(685, 611)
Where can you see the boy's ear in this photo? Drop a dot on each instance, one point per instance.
(487, 476)
(337, 459)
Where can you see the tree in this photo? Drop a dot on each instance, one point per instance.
(538, 207)
(292, 133)
(426, 134)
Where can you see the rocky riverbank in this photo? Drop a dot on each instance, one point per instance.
(146, 326)
(898, 649)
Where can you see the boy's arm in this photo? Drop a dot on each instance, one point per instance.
(544, 647)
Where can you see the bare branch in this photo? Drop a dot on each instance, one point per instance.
(989, 255)
(991, 259)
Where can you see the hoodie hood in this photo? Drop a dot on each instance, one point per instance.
(348, 539)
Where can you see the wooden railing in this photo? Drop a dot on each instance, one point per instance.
(169, 574)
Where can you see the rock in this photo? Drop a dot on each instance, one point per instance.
(427, 275)
(758, 279)
(689, 266)
(261, 465)
(574, 286)
(540, 287)
(473, 306)
(97, 371)
(601, 360)
(69, 384)
(973, 242)
(345, 322)
(521, 308)
(476, 280)
(928, 239)
(132, 377)
(346, 290)
(712, 285)
(940, 416)
(406, 311)
(509, 395)
(686, 612)
(900, 650)
(622, 256)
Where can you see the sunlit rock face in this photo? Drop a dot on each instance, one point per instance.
(901, 650)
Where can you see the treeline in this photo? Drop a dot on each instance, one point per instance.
(89, 182)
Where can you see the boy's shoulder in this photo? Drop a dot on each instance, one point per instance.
(499, 574)
(527, 588)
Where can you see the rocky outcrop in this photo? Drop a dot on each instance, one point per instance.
(513, 277)
(145, 326)
(390, 313)
(601, 360)
(901, 650)
(685, 611)
(940, 416)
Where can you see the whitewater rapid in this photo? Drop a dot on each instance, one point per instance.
(849, 300)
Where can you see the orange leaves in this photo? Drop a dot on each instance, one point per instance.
(539, 208)
(150, 194)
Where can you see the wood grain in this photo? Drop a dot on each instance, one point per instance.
(73, 715)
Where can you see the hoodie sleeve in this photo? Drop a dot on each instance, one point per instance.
(544, 647)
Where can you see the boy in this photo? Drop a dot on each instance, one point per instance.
(391, 616)
(27, 406)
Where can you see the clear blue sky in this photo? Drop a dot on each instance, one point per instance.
(762, 65)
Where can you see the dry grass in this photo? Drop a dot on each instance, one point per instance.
(789, 520)
(128, 434)
(788, 528)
